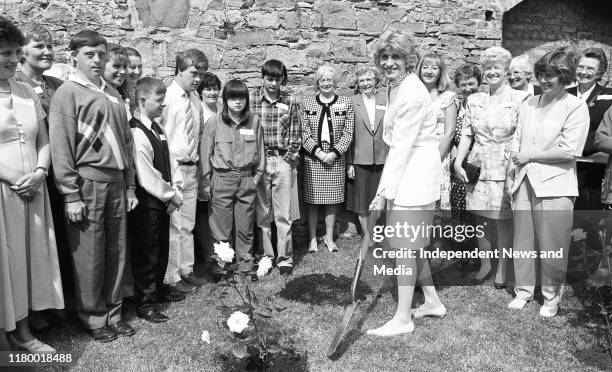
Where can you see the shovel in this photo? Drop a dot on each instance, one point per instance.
(348, 313)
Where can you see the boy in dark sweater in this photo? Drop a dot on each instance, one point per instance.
(158, 181)
(91, 150)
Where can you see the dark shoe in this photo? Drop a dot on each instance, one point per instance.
(216, 278)
(150, 314)
(254, 278)
(183, 287)
(500, 285)
(170, 295)
(285, 270)
(193, 280)
(103, 335)
(122, 328)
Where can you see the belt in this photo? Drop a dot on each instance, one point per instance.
(244, 172)
(188, 162)
(275, 152)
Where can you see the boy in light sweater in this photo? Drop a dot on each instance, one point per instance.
(91, 150)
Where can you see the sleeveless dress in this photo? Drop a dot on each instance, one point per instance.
(441, 103)
(29, 268)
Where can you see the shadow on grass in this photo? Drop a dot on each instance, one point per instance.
(320, 289)
(289, 361)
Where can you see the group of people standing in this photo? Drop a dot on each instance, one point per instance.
(142, 176)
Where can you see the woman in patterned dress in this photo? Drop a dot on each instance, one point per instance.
(327, 132)
(490, 121)
(432, 72)
(467, 79)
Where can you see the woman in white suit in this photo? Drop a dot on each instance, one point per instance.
(551, 133)
(410, 183)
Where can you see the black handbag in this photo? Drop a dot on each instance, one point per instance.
(472, 171)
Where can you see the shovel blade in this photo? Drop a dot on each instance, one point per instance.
(348, 314)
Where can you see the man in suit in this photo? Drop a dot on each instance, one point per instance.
(519, 75)
(365, 158)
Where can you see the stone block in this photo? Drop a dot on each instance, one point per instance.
(263, 20)
(57, 14)
(336, 14)
(350, 50)
(292, 58)
(309, 19)
(319, 49)
(155, 13)
(371, 22)
(289, 20)
(238, 59)
(275, 4)
(414, 27)
(252, 37)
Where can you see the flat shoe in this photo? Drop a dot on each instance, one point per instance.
(389, 332)
(331, 246)
(152, 315)
(548, 311)
(517, 303)
(103, 335)
(34, 346)
(435, 312)
(122, 329)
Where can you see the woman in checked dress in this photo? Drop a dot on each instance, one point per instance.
(327, 132)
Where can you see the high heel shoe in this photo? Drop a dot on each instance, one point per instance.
(331, 246)
(313, 247)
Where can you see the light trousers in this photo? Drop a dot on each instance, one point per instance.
(274, 194)
(541, 225)
(181, 252)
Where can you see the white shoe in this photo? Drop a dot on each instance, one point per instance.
(548, 311)
(388, 331)
(517, 303)
(426, 310)
(331, 246)
(314, 247)
(34, 346)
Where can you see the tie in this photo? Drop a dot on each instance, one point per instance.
(189, 134)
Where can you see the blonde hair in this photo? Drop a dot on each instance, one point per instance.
(400, 42)
(362, 70)
(444, 82)
(496, 54)
(521, 63)
(325, 71)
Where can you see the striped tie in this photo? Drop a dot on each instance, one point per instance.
(191, 143)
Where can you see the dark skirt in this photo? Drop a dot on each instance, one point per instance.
(324, 184)
(361, 191)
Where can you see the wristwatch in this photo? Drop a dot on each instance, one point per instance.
(45, 171)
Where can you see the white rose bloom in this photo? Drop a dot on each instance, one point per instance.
(238, 322)
(265, 264)
(224, 251)
(206, 337)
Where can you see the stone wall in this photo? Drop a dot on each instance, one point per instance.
(239, 35)
(538, 26)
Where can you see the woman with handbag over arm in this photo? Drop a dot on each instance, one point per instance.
(489, 123)
(410, 183)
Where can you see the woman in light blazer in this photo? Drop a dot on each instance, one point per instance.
(410, 183)
(550, 135)
(366, 156)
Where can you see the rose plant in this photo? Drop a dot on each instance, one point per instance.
(253, 331)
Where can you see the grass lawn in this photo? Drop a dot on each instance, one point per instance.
(479, 332)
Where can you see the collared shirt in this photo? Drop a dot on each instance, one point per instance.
(207, 112)
(232, 146)
(148, 177)
(280, 121)
(370, 105)
(174, 120)
(584, 96)
(84, 81)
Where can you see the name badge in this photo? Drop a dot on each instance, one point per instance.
(604, 96)
(282, 106)
(112, 99)
(246, 132)
(38, 90)
(381, 107)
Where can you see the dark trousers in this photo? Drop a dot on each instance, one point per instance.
(201, 233)
(149, 233)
